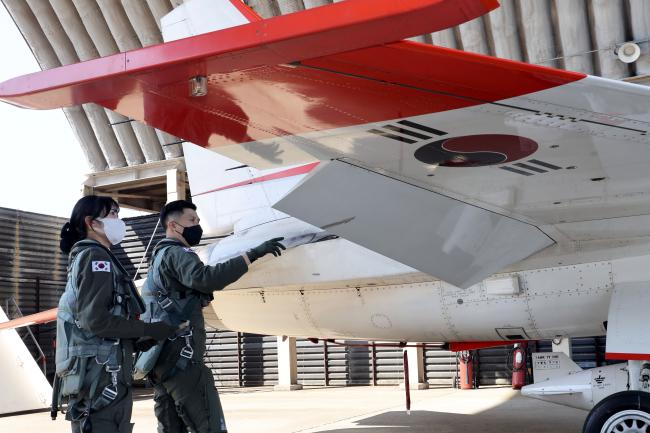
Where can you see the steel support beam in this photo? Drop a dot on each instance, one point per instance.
(287, 365)
(607, 24)
(417, 378)
(47, 59)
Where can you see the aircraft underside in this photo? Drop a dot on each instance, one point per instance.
(325, 290)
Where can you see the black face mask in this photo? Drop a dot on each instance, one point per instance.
(192, 234)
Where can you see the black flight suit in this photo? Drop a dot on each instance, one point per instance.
(188, 398)
(98, 277)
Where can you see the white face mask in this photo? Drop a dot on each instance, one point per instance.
(114, 229)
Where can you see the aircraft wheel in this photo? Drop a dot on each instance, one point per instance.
(623, 412)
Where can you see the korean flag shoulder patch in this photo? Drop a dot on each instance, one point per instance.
(99, 266)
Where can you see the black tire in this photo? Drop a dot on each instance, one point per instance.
(604, 413)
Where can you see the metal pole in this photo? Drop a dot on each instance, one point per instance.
(456, 384)
(38, 306)
(144, 256)
(477, 364)
(240, 378)
(373, 359)
(326, 363)
(41, 354)
(407, 386)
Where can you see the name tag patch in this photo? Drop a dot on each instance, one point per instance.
(101, 266)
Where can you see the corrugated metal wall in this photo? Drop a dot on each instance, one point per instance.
(440, 366)
(239, 359)
(492, 368)
(318, 361)
(359, 363)
(362, 363)
(32, 269)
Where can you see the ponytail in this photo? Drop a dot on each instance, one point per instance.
(69, 237)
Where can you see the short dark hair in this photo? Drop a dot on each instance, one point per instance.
(174, 209)
(75, 230)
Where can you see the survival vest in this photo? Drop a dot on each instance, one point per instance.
(172, 307)
(76, 346)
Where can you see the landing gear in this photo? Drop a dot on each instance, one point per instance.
(623, 412)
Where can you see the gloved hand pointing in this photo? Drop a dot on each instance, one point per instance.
(269, 247)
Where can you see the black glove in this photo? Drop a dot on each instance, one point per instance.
(269, 247)
(144, 343)
(159, 330)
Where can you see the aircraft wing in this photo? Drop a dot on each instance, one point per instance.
(32, 319)
(24, 385)
(454, 163)
(155, 71)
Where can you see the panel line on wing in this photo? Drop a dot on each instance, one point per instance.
(614, 126)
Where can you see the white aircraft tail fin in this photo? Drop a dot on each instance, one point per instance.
(196, 17)
(23, 384)
(232, 197)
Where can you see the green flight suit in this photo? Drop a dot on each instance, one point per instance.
(188, 399)
(100, 278)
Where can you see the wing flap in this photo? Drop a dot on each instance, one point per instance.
(447, 238)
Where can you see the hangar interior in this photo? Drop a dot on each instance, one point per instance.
(143, 167)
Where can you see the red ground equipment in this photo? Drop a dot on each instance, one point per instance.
(466, 369)
(519, 355)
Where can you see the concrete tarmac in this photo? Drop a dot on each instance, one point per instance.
(358, 409)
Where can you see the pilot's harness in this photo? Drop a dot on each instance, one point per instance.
(81, 346)
(173, 308)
